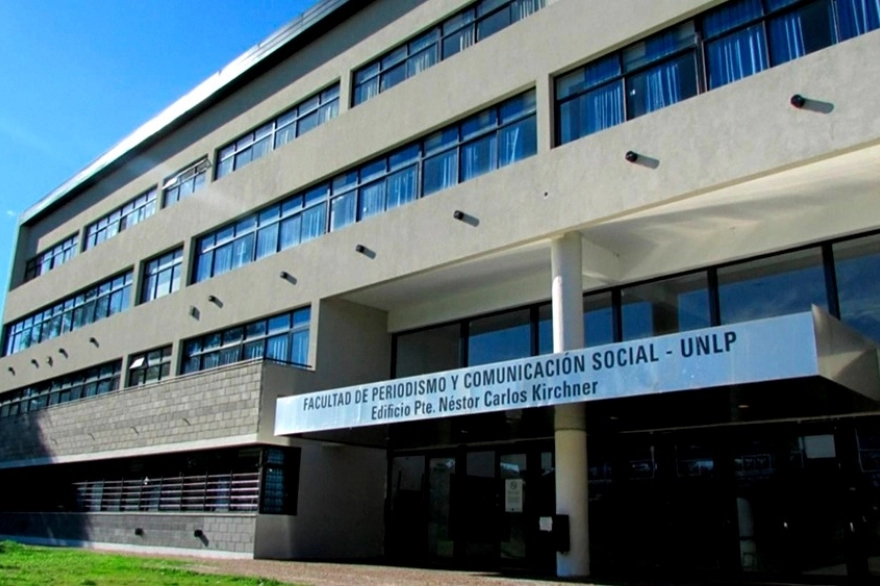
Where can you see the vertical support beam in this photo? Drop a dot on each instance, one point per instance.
(544, 93)
(570, 420)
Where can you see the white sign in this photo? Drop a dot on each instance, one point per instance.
(768, 349)
(513, 495)
(545, 524)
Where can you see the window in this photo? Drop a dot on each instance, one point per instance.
(161, 275)
(216, 481)
(280, 485)
(149, 367)
(665, 307)
(857, 271)
(132, 213)
(52, 258)
(283, 338)
(72, 387)
(723, 45)
(498, 337)
(771, 286)
(497, 137)
(94, 304)
(185, 183)
(458, 32)
(308, 114)
(651, 74)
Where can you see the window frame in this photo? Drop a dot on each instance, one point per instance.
(352, 182)
(324, 104)
(120, 219)
(163, 264)
(469, 18)
(194, 176)
(70, 313)
(699, 48)
(218, 346)
(140, 365)
(82, 384)
(56, 255)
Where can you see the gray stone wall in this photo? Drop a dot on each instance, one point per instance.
(222, 533)
(220, 403)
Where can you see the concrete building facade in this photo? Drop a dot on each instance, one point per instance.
(397, 191)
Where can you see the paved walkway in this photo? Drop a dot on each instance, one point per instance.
(328, 574)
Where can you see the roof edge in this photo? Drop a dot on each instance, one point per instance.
(190, 103)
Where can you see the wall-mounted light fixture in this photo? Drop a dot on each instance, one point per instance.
(194, 311)
(798, 101)
(35, 363)
(138, 531)
(49, 360)
(213, 299)
(631, 156)
(63, 352)
(94, 341)
(360, 248)
(11, 370)
(198, 533)
(458, 215)
(284, 275)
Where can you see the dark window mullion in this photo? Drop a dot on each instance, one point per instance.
(830, 280)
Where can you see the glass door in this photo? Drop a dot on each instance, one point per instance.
(441, 480)
(791, 502)
(406, 526)
(477, 513)
(515, 523)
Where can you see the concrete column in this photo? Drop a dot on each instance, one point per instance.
(570, 420)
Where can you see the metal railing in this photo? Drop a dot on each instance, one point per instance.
(234, 492)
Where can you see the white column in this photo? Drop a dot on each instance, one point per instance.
(570, 420)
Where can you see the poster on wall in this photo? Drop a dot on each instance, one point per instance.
(513, 495)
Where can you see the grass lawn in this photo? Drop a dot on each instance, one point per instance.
(24, 565)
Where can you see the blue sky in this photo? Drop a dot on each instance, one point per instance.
(77, 76)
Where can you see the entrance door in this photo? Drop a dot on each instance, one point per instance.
(477, 510)
(406, 522)
(656, 503)
(791, 502)
(528, 492)
(441, 487)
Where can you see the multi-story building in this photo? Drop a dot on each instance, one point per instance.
(382, 221)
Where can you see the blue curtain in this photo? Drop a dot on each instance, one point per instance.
(267, 240)
(367, 90)
(730, 15)
(290, 230)
(655, 89)
(343, 210)
(603, 108)
(222, 260)
(736, 56)
(204, 262)
(517, 141)
(277, 348)
(787, 38)
(313, 222)
(858, 17)
(478, 157)
(421, 61)
(300, 353)
(401, 187)
(441, 172)
(243, 251)
(372, 199)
